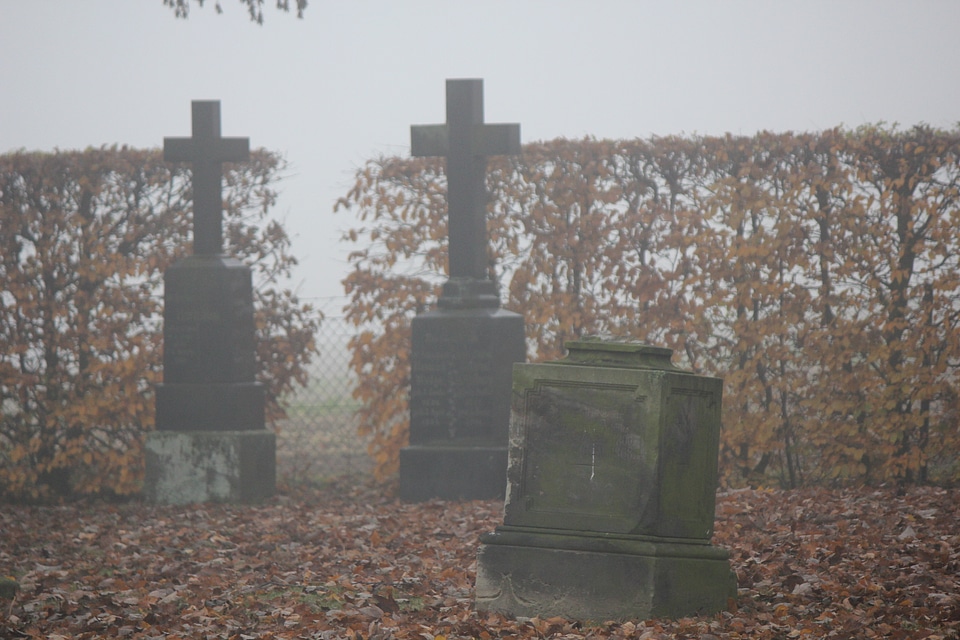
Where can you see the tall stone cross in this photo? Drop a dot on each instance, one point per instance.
(466, 142)
(207, 151)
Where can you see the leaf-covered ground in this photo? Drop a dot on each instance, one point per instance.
(345, 562)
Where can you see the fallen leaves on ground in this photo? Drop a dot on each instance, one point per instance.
(349, 562)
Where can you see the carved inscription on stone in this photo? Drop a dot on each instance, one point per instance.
(586, 450)
(452, 395)
(208, 325)
(184, 333)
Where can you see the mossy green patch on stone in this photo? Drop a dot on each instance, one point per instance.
(8, 588)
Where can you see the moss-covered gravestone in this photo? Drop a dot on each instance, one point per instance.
(612, 477)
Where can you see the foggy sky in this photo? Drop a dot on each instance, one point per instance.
(345, 83)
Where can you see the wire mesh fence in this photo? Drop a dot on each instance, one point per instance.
(319, 439)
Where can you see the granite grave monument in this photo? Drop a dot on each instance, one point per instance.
(462, 351)
(210, 442)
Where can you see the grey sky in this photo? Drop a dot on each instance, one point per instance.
(345, 84)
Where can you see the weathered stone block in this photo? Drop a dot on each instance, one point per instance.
(550, 576)
(612, 477)
(210, 466)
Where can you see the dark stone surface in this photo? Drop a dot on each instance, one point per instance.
(460, 375)
(209, 362)
(208, 328)
(236, 406)
(468, 293)
(598, 469)
(458, 472)
(612, 474)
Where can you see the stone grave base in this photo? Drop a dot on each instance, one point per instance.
(599, 578)
(210, 466)
(204, 406)
(452, 472)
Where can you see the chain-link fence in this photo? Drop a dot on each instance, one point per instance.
(319, 440)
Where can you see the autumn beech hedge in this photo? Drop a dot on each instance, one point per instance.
(84, 240)
(817, 273)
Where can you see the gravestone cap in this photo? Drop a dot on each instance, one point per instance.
(607, 352)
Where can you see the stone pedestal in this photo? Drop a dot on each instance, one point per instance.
(461, 364)
(612, 476)
(210, 466)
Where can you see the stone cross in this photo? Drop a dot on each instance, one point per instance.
(207, 151)
(466, 142)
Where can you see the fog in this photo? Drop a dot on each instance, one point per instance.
(345, 83)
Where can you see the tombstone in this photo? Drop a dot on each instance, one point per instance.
(210, 443)
(462, 351)
(612, 480)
